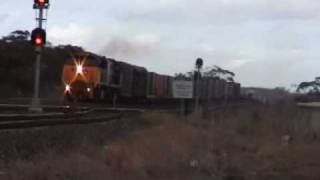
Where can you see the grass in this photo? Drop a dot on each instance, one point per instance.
(251, 142)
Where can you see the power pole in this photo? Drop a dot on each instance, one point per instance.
(38, 38)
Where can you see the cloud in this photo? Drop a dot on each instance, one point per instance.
(71, 34)
(221, 12)
(3, 17)
(276, 72)
(106, 41)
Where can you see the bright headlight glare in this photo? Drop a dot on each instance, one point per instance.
(79, 69)
(68, 87)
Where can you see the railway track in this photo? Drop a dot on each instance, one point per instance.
(55, 122)
(68, 116)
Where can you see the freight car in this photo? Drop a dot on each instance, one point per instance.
(91, 77)
(216, 89)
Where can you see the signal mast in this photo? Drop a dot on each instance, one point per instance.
(197, 80)
(38, 39)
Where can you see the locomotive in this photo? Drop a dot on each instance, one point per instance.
(87, 76)
(91, 77)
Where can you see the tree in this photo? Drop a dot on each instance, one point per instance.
(217, 71)
(312, 87)
(18, 35)
(214, 71)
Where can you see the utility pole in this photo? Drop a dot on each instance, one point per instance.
(197, 79)
(38, 39)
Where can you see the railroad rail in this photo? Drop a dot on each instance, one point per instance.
(67, 116)
(70, 115)
(55, 122)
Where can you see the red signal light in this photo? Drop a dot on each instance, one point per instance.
(39, 41)
(38, 37)
(41, 4)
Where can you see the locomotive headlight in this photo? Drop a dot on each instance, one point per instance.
(68, 88)
(79, 69)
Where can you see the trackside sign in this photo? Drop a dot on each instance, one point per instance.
(182, 89)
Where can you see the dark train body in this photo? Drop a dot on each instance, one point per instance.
(91, 77)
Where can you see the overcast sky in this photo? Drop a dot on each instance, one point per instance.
(266, 43)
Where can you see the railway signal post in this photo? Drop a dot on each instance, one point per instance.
(197, 80)
(38, 39)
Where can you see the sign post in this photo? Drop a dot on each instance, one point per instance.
(182, 89)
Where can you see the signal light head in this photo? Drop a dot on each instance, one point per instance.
(38, 37)
(199, 63)
(40, 4)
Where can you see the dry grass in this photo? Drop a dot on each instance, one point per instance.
(72, 166)
(249, 142)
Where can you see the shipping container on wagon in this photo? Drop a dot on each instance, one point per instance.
(165, 86)
(169, 87)
(212, 88)
(110, 73)
(157, 85)
(105, 74)
(139, 84)
(114, 73)
(230, 91)
(204, 88)
(151, 87)
(221, 84)
(237, 90)
(126, 79)
(207, 88)
(160, 86)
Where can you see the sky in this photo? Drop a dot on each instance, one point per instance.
(267, 43)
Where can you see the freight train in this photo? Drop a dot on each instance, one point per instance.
(91, 77)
